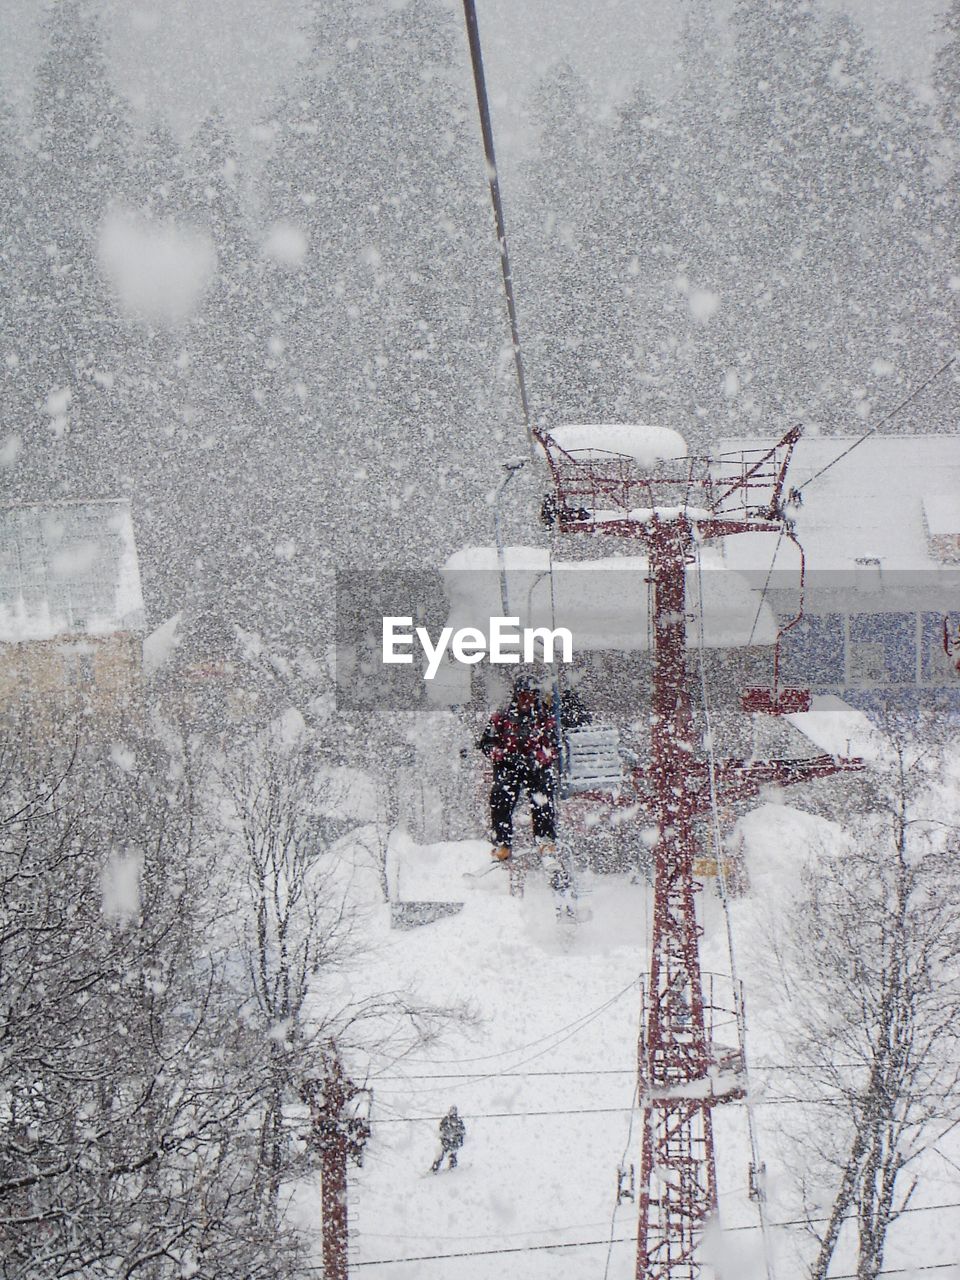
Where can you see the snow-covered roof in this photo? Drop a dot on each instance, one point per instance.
(942, 514)
(647, 445)
(68, 569)
(603, 603)
(874, 505)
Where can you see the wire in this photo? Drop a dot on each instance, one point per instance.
(503, 1235)
(895, 410)
(503, 1053)
(486, 127)
(614, 1071)
(786, 1101)
(515, 1115)
(623, 1162)
(481, 1253)
(583, 1071)
(763, 593)
(725, 899)
(576, 1028)
(588, 1244)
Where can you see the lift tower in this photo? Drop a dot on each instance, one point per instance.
(629, 482)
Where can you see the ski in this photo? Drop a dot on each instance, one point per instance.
(485, 871)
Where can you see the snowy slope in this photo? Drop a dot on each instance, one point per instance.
(545, 1082)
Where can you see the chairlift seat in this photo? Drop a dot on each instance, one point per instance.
(591, 760)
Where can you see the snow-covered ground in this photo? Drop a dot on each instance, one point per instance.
(546, 1081)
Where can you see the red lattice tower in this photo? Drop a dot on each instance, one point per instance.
(669, 505)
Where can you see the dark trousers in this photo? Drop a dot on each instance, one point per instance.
(510, 779)
(450, 1153)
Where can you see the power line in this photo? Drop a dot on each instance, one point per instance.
(481, 1253)
(900, 1271)
(610, 1071)
(601, 1111)
(555, 1041)
(893, 412)
(623, 1161)
(503, 1235)
(515, 1115)
(577, 1023)
(590, 1244)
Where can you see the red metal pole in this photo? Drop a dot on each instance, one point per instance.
(678, 1168)
(333, 1172)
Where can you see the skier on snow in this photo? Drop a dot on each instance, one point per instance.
(521, 741)
(452, 1134)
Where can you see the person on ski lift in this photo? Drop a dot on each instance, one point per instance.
(521, 742)
(452, 1134)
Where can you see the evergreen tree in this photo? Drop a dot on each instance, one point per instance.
(699, 322)
(562, 259)
(830, 274)
(389, 329)
(70, 340)
(947, 82)
(14, 387)
(641, 230)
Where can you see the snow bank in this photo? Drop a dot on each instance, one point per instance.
(778, 841)
(646, 445)
(434, 872)
(159, 272)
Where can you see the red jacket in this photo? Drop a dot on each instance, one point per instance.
(523, 733)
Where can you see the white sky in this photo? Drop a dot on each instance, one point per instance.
(180, 59)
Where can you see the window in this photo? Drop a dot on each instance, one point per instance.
(867, 662)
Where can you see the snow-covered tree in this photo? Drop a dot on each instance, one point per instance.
(563, 266)
(947, 83)
(387, 316)
(127, 1080)
(299, 934)
(13, 379)
(947, 80)
(69, 341)
(833, 268)
(872, 956)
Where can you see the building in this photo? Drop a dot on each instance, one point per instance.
(71, 611)
(880, 534)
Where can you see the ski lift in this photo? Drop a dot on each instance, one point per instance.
(591, 760)
(613, 477)
(779, 700)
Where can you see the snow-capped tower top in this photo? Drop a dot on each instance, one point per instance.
(623, 479)
(645, 444)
